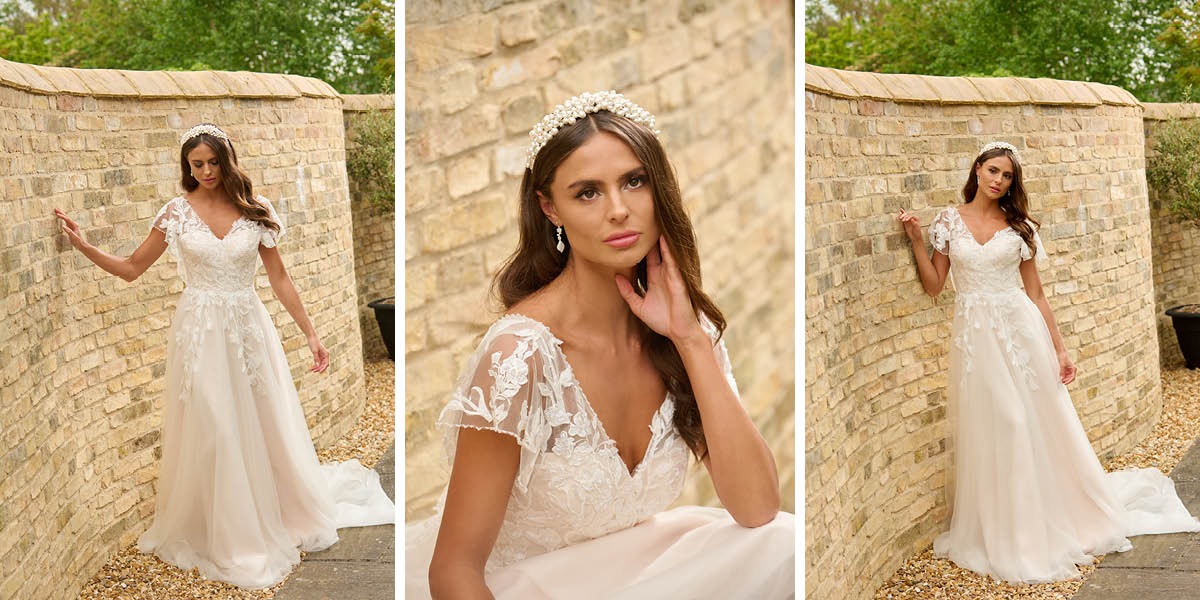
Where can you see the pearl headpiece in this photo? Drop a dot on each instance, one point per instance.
(578, 107)
(1004, 145)
(204, 128)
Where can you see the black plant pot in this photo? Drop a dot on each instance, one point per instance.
(1186, 320)
(385, 315)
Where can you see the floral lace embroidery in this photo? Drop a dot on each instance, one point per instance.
(571, 484)
(219, 273)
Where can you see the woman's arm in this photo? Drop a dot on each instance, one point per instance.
(285, 291)
(932, 271)
(1033, 289)
(485, 467)
(127, 268)
(739, 461)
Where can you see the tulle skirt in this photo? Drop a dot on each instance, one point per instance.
(240, 490)
(1030, 499)
(687, 553)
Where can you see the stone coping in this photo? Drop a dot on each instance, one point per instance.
(119, 83)
(1165, 111)
(962, 90)
(367, 102)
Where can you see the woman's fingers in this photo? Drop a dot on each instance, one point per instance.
(631, 297)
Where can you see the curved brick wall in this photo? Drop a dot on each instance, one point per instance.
(82, 352)
(1176, 245)
(718, 76)
(876, 345)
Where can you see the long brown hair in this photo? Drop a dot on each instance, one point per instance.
(233, 179)
(1014, 203)
(536, 261)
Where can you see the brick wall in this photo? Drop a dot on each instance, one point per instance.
(876, 345)
(374, 234)
(719, 78)
(82, 353)
(1176, 245)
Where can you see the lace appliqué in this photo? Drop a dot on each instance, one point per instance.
(229, 313)
(571, 485)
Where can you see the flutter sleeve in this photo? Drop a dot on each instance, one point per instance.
(270, 238)
(721, 353)
(939, 232)
(501, 390)
(1027, 254)
(168, 220)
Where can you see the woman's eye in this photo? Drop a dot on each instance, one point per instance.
(635, 182)
(587, 194)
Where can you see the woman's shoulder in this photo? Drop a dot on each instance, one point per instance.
(516, 325)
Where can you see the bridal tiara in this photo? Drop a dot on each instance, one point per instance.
(1002, 145)
(579, 107)
(203, 128)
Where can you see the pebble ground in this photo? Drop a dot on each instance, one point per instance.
(131, 575)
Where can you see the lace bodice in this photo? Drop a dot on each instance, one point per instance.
(992, 267)
(207, 262)
(219, 273)
(571, 484)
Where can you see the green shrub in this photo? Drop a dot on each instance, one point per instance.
(371, 158)
(1173, 170)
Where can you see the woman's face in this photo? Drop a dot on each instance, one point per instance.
(602, 199)
(205, 169)
(995, 176)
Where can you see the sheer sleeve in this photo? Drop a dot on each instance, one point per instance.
(1026, 254)
(939, 231)
(168, 220)
(501, 390)
(270, 238)
(721, 353)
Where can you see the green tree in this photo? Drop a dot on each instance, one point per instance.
(340, 41)
(1111, 41)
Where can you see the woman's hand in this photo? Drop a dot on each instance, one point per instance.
(666, 308)
(320, 355)
(71, 228)
(912, 226)
(1066, 368)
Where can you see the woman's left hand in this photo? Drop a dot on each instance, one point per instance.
(666, 308)
(320, 355)
(1066, 368)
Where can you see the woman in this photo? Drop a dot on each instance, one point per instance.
(1030, 500)
(240, 490)
(571, 424)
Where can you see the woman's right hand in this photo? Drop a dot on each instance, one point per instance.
(912, 226)
(71, 228)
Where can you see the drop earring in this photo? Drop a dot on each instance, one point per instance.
(558, 233)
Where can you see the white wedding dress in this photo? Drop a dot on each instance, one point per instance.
(1030, 499)
(240, 490)
(579, 524)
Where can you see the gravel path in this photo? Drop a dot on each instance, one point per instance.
(131, 575)
(925, 577)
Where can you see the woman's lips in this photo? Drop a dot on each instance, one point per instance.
(623, 239)
(995, 190)
(209, 180)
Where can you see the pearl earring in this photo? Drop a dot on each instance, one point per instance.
(977, 182)
(558, 233)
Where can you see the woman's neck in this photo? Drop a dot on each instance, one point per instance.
(590, 302)
(982, 205)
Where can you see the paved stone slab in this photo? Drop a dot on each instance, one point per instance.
(360, 566)
(1150, 552)
(1142, 584)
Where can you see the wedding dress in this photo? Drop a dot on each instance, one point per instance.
(1030, 499)
(579, 524)
(240, 490)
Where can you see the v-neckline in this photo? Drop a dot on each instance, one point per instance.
(208, 227)
(972, 234)
(587, 403)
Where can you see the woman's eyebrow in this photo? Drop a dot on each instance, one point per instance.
(626, 175)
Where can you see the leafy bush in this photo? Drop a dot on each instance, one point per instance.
(371, 158)
(1173, 170)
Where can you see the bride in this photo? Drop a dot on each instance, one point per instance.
(1030, 499)
(570, 427)
(240, 490)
